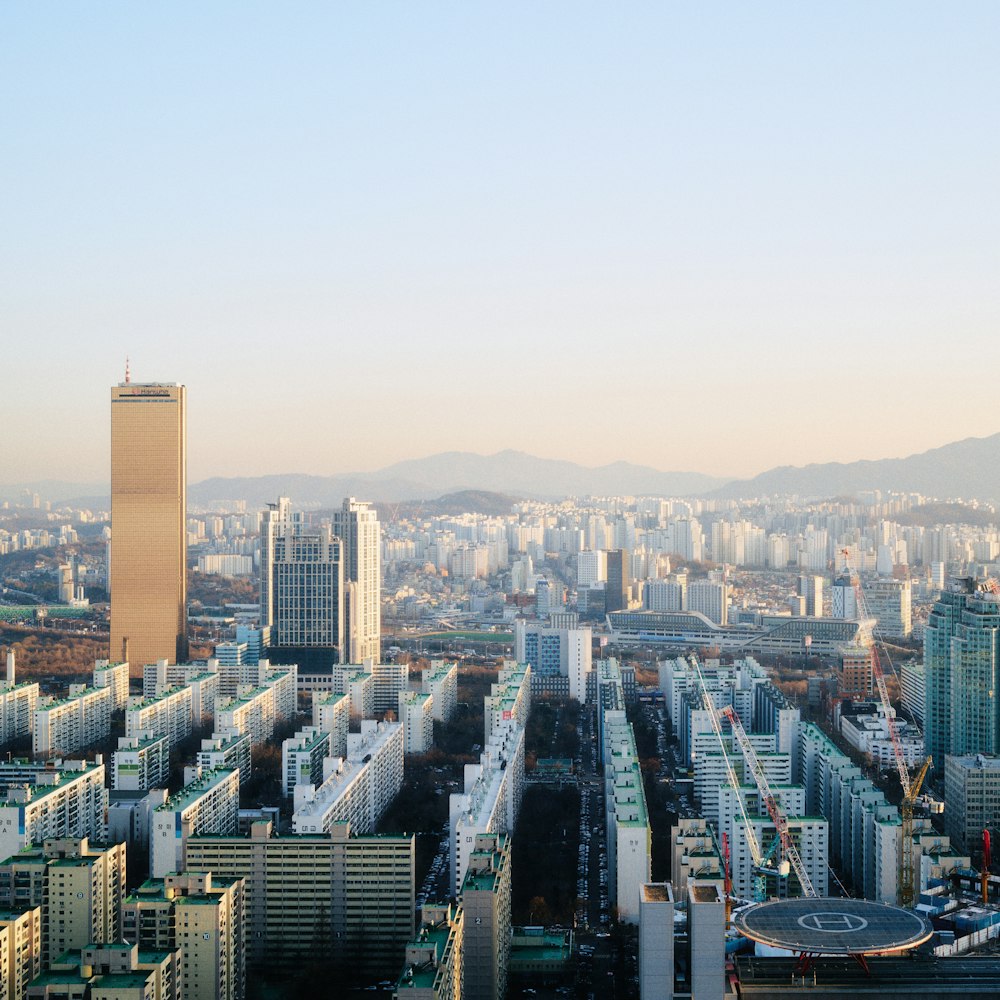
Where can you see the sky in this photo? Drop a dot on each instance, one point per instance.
(716, 237)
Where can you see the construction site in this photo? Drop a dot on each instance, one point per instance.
(756, 906)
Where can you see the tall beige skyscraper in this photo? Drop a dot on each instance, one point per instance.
(149, 523)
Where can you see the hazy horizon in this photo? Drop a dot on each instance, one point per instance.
(713, 240)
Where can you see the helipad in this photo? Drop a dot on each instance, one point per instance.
(833, 926)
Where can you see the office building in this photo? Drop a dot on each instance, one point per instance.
(912, 685)
(856, 672)
(301, 590)
(560, 657)
(78, 888)
(971, 797)
(710, 599)
(344, 896)
(486, 901)
(68, 801)
(890, 602)
(203, 916)
(811, 588)
(148, 577)
(618, 580)
(356, 525)
(208, 803)
(962, 672)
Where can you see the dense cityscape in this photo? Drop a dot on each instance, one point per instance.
(499, 501)
(589, 747)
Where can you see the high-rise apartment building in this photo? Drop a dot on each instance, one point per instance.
(148, 573)
(356, 524)
(204, 917)
(78, 888)
(301, 589)
(486, 900)
(962, 672)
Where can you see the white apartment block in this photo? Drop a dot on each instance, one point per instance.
(250, 712)
(509, 698)
(332, 714)
(357, 790)
(75, 722)
(440, 681)
(17, 704)
(209, 804)
(626, 817)
(168, 714)
(69, 802)
(416, 716)
(694, 853)
(302, 757)
(359, 685)
(226, 750)
(491, 799)
(811, 837)
(140, 763)
(114, 676)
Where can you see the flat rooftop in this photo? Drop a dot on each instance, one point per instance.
(822, 926)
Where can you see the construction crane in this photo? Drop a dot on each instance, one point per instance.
(984, 876)
(761, 862)
(910, 785)
(788, 848)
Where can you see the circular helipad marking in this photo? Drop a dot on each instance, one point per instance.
(832, 923)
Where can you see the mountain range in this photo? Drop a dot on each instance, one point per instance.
(969, 468)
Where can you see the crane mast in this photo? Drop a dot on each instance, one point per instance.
(911, 786)
(788, 847)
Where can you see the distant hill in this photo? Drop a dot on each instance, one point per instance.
(969, 468)
(507, 472)
(965, 469)
(465, 502)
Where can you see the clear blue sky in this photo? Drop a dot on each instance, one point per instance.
(719, 236)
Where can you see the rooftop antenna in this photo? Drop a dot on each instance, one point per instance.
(128, 376)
